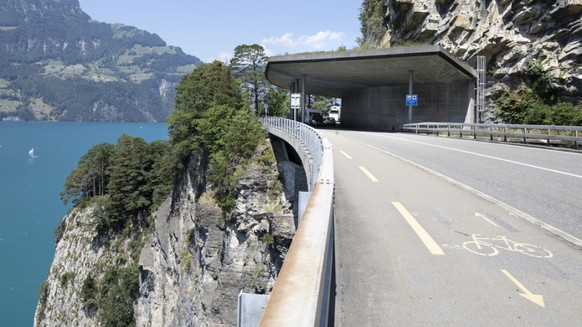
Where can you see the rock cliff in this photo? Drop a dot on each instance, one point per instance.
(191, 262)
(510, 33)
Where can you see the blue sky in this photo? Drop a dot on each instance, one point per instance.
(211, 29)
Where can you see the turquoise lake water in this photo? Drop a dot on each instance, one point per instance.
(30, 205)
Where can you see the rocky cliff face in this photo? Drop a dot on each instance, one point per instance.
(510, 33)
(192, 262)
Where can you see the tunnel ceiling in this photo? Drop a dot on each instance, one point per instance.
(336, 73)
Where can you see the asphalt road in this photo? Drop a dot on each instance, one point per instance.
(435, 232)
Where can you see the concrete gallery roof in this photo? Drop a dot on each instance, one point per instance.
(336, 73)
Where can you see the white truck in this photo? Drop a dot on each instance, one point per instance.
(335, 113)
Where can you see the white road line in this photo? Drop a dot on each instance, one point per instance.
(570, 238)
(346, 155)
(491, 157)
(370, 176)
(428, 241)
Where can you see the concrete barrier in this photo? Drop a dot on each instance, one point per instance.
(304, 291)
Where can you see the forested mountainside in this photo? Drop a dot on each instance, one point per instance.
(537, 43)
(58, 64)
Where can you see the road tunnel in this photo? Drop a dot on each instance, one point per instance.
(373, 84)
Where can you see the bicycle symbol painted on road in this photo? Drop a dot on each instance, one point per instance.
(490, 247)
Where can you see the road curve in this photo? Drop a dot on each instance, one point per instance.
(421, 240)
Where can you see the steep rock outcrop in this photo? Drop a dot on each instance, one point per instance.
(199, 259)
(192, 263)
(510, 33)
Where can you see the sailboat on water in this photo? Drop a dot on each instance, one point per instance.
(31, 153)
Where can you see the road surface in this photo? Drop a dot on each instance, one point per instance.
(443, 232)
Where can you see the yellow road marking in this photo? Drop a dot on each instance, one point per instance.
(537, 299)
(369, 174)
(428, 241)
(346, 155)
(486, 219)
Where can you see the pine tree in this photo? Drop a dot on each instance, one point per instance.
(248, 66)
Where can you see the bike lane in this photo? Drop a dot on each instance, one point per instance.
(508, 283)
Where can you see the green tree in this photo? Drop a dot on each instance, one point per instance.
(167, 164)
(232, 137)
(208, 85)
(90, 177)
(129, 188)
(248, 66)
(322, 103)
(538, 114)
(118, 289)
(212, 118)
(279, 102)
(542, 83)
(513, 106)
(565, 114)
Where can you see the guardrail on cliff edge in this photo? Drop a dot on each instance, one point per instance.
(305, 290)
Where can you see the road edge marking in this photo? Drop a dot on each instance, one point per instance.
(424, 236)
(494, 158)
(554, 230)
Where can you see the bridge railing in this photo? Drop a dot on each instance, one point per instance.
(304, 289)
(570, 136)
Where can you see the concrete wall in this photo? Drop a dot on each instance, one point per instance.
(384, 108)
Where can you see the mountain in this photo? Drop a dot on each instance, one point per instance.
(511, 34)
(56, 63)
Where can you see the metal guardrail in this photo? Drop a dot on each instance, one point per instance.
(308, 138)
(303, 291)
(569, 136)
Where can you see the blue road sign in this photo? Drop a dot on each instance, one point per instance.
(412, 99)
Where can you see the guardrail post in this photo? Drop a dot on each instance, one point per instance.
(490, 133)
(525, 131)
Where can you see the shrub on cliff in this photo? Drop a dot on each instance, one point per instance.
(537, 104)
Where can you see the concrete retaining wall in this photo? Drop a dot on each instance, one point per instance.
(384, 108)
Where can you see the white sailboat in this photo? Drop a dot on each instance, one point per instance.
(31, 153)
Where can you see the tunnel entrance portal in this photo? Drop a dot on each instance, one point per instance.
(373, 84)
